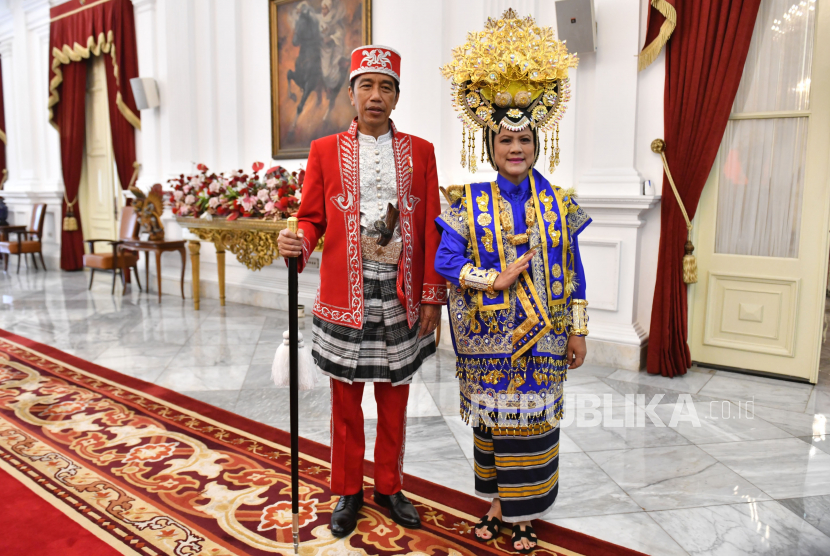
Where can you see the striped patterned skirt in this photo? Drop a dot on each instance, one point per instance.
(385, 349)
(520, 467)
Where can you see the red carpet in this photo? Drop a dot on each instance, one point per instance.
(34, 527)
(144, 470)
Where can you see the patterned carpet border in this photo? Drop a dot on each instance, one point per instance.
(152, 472)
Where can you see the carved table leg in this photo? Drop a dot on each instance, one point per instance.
(220, 267)
(183, 253)
(158, 272)
(194, 247)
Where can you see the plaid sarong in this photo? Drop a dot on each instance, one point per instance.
(385, 349)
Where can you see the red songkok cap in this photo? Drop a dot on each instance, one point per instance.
(374, 58)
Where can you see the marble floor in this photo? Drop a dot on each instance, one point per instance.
(745, 478)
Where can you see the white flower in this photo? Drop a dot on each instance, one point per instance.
(213, 202)
(214, 187)
(262, 195)
(189, 200)
(269, 207)
(271, 182)
(178, 195)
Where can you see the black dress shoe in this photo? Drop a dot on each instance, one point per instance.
(344, 516)
(402, 511)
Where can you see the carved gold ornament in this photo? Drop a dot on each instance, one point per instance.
(254, 242)
(503, 99)
(522, 99)
(554, 235)
(483, 201)
(557, 271)
(556, 288)
(484, 219)
(513, 62)
(547, 200)
(487, 240)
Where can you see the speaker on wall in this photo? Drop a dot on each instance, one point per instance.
(576, 24)
(145, 92)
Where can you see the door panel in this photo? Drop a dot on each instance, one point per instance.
(751, 314)
(99, 198)
(762, 223)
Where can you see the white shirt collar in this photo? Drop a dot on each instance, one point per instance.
(385, 138)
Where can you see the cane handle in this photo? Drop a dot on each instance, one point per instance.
(293, 224)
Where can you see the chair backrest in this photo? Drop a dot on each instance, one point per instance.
(129, 224)
(38, 218)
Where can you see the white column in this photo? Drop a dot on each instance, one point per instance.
(177, 85)
(148, 140)
(227, 71)
(13, 145)
(44, 137)
(609, 186)
(611, 169)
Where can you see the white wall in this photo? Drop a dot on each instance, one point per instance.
(211, 61)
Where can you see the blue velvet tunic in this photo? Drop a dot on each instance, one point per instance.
(511, 345)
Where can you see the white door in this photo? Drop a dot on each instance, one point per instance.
(762, 225)
(100, 199)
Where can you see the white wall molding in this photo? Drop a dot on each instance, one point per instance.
(611, 254)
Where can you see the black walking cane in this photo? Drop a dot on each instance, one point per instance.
(294, 390)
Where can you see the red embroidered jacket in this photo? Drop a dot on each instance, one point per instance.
(331, 206)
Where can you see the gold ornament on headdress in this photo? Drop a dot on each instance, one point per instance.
(513, 64)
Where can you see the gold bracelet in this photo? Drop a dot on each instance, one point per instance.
(579, 315)
(465, 270)
(492, 276)
(477, 278)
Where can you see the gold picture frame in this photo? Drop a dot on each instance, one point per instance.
(321, 62)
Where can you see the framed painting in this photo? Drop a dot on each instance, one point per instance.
(311, 45)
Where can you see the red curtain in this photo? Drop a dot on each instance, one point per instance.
(704, 62)
(78, 32)
(2, 129)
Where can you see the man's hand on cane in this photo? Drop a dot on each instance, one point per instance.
(290, 244)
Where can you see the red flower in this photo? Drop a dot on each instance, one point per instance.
(233, 216)
(274, 170)
(201, 168)
(301, 177)
(258, 166)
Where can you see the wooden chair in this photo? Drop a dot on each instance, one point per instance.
(120, 259)
(31, 244)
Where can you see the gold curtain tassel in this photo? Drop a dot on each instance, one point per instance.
(689, 262)
(70, 223)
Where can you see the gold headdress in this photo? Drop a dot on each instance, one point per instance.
(514, 74)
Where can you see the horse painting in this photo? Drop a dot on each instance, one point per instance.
(311, 50)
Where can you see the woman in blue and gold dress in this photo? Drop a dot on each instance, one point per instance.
(510, 250)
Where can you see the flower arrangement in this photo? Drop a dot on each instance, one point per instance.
(275, 195)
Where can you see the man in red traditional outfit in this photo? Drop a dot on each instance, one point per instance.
(373, 192)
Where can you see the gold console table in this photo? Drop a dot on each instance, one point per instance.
(253, 241)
